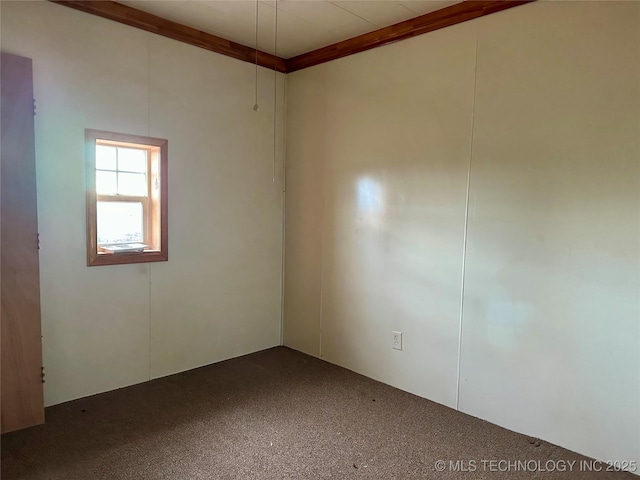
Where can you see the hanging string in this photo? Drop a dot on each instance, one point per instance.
(275, 93)
(255, 105)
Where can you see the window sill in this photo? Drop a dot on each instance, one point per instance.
(102, 258)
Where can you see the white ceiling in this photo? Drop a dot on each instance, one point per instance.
(303, 25)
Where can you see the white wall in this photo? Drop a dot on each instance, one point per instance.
(218, 296)
(551, 327)
(392, 200)
(380, 147)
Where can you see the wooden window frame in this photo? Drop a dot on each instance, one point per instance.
(157, 169)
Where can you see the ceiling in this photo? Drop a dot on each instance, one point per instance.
(303, 25)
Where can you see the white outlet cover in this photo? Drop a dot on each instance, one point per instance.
(397, 340)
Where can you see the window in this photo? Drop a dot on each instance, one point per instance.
(126, 198)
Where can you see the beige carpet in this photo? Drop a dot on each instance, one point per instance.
(276, 414)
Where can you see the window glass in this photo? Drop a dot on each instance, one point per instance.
(119, 222)
(132, 160)
(106, 183)
(134, 184)
(105, 157)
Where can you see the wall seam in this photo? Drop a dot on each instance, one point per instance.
(283, 234)
(321, 276)
(149, 264)
(322, 242)
(466, 220)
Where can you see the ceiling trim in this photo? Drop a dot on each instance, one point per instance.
(445, 17)
(176, 31)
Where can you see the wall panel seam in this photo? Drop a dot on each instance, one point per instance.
(466, 220)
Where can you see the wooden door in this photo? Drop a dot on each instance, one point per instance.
(21, 344)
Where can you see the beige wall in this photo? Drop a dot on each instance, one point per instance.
(218, 296)
(545, 339)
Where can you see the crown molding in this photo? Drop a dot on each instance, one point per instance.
(176, 31)
(445, 17)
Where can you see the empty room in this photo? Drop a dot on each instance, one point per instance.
(312, 239)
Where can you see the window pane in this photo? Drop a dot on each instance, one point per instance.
(120, 222)
(132, 160)
(132, 184)
(105, 157)
(106, 183)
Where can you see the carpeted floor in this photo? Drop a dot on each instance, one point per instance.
(276, 414)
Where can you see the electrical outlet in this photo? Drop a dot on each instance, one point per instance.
(397, 340)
